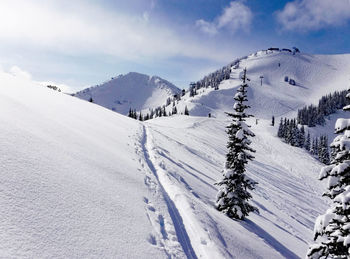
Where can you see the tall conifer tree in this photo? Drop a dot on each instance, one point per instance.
(233, 196)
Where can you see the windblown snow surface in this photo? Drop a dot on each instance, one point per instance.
(80, 181)
(133, 90)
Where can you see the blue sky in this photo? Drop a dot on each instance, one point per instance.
(81, 43)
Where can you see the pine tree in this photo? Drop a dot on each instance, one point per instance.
(174, 110)
(186, 111)
(151, 114)
(289, 132)
(307, 144)
(280, 129)
(301, 137)
(140, 117)
(233, 196)
(285, 129)
(315, 147)
(319, 147)
(312, 150)
(295, 134)
(323, 150)
(334, 225)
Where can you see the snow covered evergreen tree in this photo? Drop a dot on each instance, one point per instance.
(233, 196)
(307, 144)
(316, 148)
(174, 111)
(140, 117)
(280, 131)
(186, 111)
(301, 136)
(334, 225)
(323, 150)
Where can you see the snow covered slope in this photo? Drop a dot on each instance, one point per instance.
(188, 154)
(315, 75)
(133, 90)
(71, 185)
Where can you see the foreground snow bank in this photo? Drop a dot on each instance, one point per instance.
(69, 183)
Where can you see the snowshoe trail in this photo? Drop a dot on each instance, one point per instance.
(169, 231)
(195, 240)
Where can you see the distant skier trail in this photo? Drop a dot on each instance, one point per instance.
(181, 233)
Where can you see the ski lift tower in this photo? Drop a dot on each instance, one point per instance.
(261, 79)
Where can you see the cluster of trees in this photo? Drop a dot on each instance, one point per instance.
(297, 137)
(313, 115)
(213, 79)
(294, 50)
(154, 113)
(53, 87)
(333, 226)
(319, 149)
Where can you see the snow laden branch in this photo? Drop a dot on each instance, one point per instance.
(233, 196)
(334, 225)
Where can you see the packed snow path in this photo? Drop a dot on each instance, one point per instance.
(181, 234)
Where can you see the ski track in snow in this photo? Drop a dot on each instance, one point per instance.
(194, 238)
(180, 233)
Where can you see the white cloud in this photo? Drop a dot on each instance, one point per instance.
(234, 17)
(305, 15)
(77, 27)
(207, 27)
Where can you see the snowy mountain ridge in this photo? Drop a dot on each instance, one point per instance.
(133, 90)
(269, 94)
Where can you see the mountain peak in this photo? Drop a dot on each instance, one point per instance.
(133, 90)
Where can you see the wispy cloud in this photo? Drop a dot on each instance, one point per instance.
(306, 15)
(78, 27)
(207, 27)
(237, 16)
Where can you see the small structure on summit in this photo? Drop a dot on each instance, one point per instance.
(295, 50)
